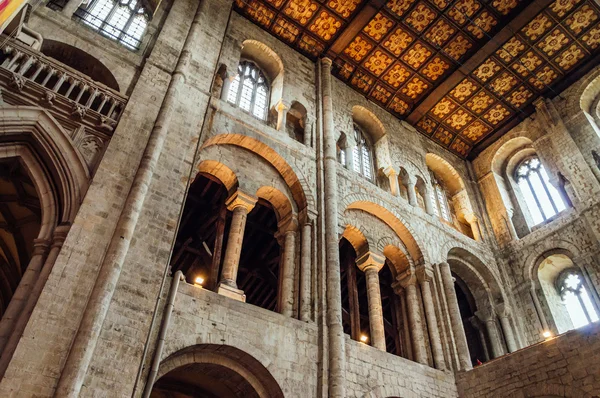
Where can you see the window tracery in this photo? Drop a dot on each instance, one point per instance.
(438, 196)
(576, 299)
(362, 155)
(123, 21)
(542, 198)
(249, 90)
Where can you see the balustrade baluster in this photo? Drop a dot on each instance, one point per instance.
(14, 60)
(25, 67)
(104, 99)
(71, 87)
(90, 100)
(41, 67)
(59, 83)
(51, 73)
(83, 90)
(112, 108)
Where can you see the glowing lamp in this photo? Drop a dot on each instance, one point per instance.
(364, 338)
(198, 281)
(547, 334)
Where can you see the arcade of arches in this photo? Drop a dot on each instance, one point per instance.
(223, 198)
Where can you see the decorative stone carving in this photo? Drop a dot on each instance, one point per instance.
(17, 81)
(48, 99)
(90, 147)
(79, 111)
(106, 124)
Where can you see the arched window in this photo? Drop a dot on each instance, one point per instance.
(362, 155)
(250, 90)
(440, 200)
(576, 298)
(124, 21)
(543, 200)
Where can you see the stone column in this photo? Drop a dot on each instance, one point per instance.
(287, 234)
(305, 272)
(282, 108)
(477, 325)
(392, 174)
(240, 204)
(474, 223)
(504, 315)
(487, 316)
(429, 209)
(308, 130)
(22, 293)
(425, 276)
(408, 282)
(455, 318)
(370, 263)
(226, 86)
(350, 155)
(412, 194)
(335, 330)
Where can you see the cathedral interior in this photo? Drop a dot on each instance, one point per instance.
(300, 198)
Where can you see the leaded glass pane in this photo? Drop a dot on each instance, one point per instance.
(254, 97)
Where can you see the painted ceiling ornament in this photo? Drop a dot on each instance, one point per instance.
(398, 41)
(301, 10)
(378, 27)
(286, 30)
(503, 83)
(362, 81)
(396, 75)
(399, 7)
(259, 13)
(325, 26)
(562, 7)
(457, 47)
(487, 69)
(443, 136)
(460, 147)
(537, 27)
(570, 57)
(427, 125)
(420, 17)
(544, 77)
(344, 8)
(310, 45)
(381, 94)
(435, 69)
(480, 102)
(554, 42)
(581, 19)
(510, 49)
(443, 108)
(592, 38)
(358, 48)
(459, 119)
(463, 9)
(497, 114)
(378, 62)
(504, 6)
(414, 88)
(520, 96)
(399, 106)
(476, 130)
(440, 32)
(416, 56)
(463, 90)
(482, 24)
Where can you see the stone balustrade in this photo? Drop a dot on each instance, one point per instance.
(49, 83)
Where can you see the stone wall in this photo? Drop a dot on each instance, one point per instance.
(565, 366)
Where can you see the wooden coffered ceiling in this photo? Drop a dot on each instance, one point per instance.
(462, 72)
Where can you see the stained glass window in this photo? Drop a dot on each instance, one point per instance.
(122, 21)
(249, 90)
(542, 198)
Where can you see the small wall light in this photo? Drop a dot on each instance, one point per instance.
(547, 334)
(363, 338)
(199, 281)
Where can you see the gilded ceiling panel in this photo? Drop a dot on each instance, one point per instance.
(400, 51)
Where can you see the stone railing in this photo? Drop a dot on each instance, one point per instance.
(55, 85)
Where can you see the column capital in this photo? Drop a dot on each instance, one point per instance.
(282, 105)
(241, 199)
(370, 260)
(326, 61)
(405, 279)
(391, 171)
(503, 310)
(424, 273)
(486, 314)
(288, 224)
(40, 246)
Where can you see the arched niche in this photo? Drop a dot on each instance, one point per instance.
(269, 62)
(209, 370)
(80, 61)
(296, 122)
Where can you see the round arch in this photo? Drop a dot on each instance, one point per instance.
(212, 361)
(442, 168)
(269, 155)
(476, 274)
(389, 217)
(368, 122)
(220, 172)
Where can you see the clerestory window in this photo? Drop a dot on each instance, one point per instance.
(438, 196)
(362, 155)
(250, 90)
(576, 299)
(542, 198)
(122, 21)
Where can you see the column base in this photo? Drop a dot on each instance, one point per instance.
(231, 292)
